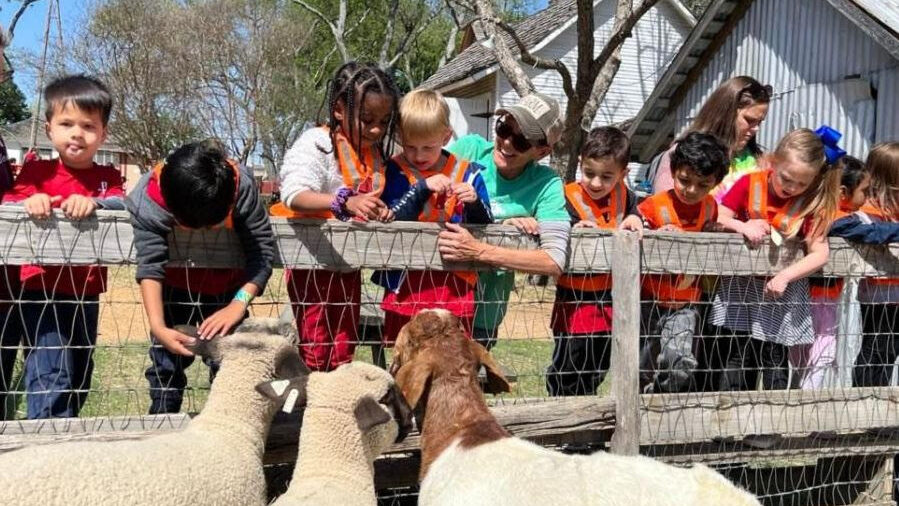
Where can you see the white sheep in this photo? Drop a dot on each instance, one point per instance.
(468, 458)
(352, 415)
(215, 460)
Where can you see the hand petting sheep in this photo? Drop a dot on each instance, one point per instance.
(468, 458)
(216, 460)
(353, 414)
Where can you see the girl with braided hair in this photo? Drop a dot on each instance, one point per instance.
(337, 171)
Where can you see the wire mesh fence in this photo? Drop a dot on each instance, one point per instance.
(766, 390)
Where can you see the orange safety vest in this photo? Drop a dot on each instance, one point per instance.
(659, 211)
(365, 175)
(435, 209)
(784, 218)
(607, 217)
(154, 190)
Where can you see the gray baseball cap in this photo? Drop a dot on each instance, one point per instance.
(538, 116)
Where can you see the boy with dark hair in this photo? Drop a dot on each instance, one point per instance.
(195, 187)
(582, 313)
(60, 303)
(670, 316)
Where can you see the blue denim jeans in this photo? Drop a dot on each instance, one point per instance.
(60, 335)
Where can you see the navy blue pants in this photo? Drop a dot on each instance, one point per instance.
(60, 335)
(166, 372)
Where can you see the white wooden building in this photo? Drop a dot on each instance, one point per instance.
(475, 86)
(832, 62)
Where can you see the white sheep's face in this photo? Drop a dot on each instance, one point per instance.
(381, 411)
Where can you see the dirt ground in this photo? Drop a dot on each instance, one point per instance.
(122, 317)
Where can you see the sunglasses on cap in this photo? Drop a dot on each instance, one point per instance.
(757, 91)
(506, 131)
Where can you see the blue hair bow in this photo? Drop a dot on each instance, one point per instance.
(830, 137)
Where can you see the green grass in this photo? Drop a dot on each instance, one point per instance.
(119, 387)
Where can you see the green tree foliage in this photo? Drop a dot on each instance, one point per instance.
(12, 103)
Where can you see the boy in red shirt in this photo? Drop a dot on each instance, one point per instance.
(581, 319)
(670, 316)
(60, 303)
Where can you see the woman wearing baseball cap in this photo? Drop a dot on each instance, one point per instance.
(523, 193)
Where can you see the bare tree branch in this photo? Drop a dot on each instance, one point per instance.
(625, 20)
(411, 37)
(18, 14)
(514, 73)
(536, 61)
(388, 32)
(338, 29)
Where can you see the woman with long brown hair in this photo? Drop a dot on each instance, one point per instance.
(733, 113)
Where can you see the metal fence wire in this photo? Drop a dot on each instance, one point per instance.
(794, 398)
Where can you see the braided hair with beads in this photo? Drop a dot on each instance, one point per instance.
(351, 84)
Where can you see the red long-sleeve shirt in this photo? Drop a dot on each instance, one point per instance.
(52, 177)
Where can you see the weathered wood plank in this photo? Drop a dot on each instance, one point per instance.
(692, 417)
(107, 239)
(625, 343)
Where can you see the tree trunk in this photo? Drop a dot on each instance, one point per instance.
(513, 71)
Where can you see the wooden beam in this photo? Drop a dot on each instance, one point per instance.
(625, 343)
(107, 239)
(693, 417)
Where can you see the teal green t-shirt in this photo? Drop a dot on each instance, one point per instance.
(537, 193)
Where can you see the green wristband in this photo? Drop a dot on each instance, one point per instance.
(243, 296)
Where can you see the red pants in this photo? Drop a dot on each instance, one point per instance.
(326, 306)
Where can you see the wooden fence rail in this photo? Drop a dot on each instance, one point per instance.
(677, 427)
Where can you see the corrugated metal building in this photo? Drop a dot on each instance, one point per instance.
(830, 62)
(475, 87)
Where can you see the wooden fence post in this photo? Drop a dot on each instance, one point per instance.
(626, 342)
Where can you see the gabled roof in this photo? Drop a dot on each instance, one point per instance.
(879, 19)
(534, 31)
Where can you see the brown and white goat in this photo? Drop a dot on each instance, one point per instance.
(468, 458)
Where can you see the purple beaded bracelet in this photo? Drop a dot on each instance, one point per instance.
(338, 205)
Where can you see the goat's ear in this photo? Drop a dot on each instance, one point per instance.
(413, 378)
(496, 381)
(370, 413)
(287, 393)
(291, 366)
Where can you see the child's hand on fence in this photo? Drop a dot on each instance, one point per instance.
(40, 205)
(669, 228)
(365, 206)
(755, 231)
(527, 225)
(464, 193)
(438, 183)
(633, 223)
(78, 207)
(174, 341)
(386, 215)
(222, 321)
(776, 286)
(585, 224)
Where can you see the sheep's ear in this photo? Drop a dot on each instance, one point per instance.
(291, 366)
(201, 347)
(287, 393)
(413, 378)
(369, 413)
(496, 381)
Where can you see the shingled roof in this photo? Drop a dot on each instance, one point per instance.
(653, 125)
(531, 30)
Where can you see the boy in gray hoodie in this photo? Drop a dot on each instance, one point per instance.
(195, 187)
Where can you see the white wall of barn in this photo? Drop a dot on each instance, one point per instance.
(823, 68)
(645, 56)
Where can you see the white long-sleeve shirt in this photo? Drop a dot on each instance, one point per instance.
(310, 165)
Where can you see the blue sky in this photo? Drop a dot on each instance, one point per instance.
(28, 39)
